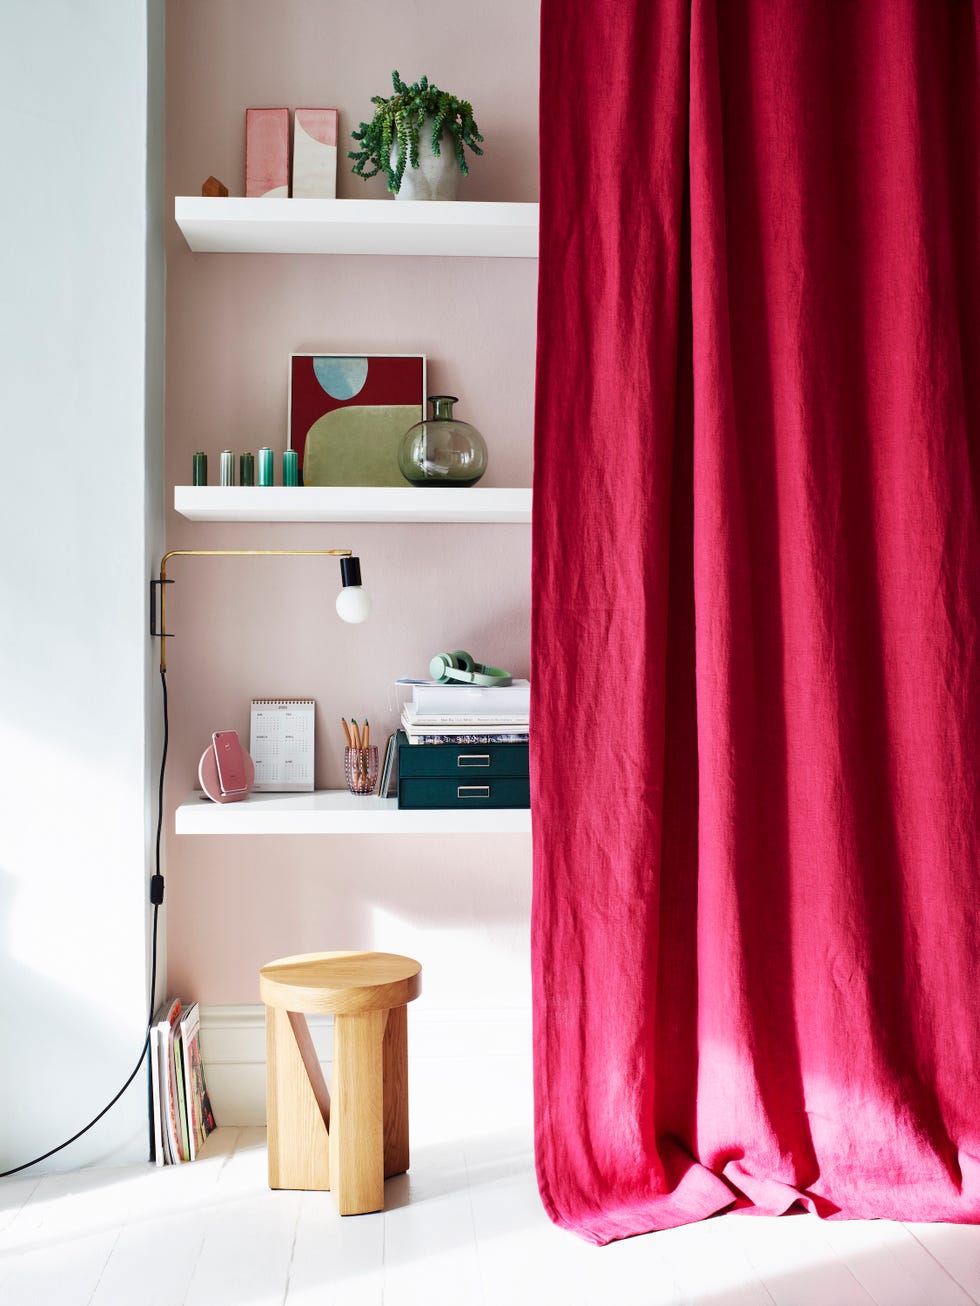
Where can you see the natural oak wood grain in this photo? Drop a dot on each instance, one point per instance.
(297, 1122)
(357, 1132)
(394, 1053)
(354, 1139)
(342, 983)
(311, 1063)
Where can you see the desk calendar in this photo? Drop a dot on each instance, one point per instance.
(281, 744)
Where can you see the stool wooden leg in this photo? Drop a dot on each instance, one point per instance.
(395, 1056)
(356, 1114)
(297, 1104)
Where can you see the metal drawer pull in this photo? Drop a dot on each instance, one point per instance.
(473, 759)
(472, 791)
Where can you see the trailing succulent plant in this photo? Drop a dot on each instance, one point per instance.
(398, 121)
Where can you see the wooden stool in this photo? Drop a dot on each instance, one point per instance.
(355, 1143)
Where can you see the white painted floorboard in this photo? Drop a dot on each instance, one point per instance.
(463, 1228)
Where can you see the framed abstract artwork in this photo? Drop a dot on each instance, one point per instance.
(314, 154)
(348, 413)
(267, 153)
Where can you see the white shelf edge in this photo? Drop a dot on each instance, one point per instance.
(454, 228)
(335, 811)
(352, 503)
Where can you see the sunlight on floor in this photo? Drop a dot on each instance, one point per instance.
(464, 1227)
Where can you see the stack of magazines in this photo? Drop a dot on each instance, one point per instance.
(182, 1115)
(468, 714)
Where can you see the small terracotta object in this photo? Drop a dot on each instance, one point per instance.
(214, 187)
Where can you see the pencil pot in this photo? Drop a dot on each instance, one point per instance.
(361, 769)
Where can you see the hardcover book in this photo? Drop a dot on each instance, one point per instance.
(510, 701)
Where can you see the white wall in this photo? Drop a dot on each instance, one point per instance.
(81, 502)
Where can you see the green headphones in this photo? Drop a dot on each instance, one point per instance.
(461, 666)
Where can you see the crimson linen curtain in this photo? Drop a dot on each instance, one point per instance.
(755, 748)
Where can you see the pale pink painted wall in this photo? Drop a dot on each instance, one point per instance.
(258, 627)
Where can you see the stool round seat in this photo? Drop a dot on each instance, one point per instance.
(341, 983)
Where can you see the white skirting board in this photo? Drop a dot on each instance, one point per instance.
(233, 1047)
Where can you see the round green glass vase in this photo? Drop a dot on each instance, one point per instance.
(443, 450)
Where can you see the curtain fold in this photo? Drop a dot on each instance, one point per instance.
(756, 573)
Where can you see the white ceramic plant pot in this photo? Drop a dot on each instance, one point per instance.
(437, 176)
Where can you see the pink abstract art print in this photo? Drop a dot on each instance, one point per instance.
(315, 154)
(267, 153)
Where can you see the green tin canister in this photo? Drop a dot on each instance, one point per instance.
(246, 469)
(200, 469)
(267, 467)
(290, 467)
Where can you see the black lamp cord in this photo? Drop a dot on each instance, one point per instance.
(156, 898)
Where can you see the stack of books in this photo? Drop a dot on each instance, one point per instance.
(182, 1115)
(468, 714)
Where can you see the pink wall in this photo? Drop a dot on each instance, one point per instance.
(260, 627)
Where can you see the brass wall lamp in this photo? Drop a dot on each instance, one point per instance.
(353, 602)
(353, 605)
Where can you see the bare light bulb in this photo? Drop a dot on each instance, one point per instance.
(353, 604)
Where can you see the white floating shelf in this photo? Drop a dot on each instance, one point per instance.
(214, 225)
(335, 811)
(354, 503)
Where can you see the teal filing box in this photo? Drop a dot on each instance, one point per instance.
(462, 775)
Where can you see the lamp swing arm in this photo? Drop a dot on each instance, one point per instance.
(163, 581)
